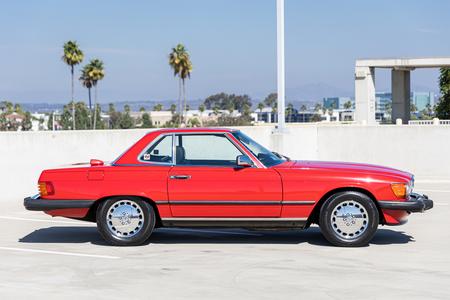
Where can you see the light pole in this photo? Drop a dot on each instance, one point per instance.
(280, 66)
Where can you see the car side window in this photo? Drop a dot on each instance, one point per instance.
(160, 152)
(205, 150)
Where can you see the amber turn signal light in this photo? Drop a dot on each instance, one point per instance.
(399, 190)
(46, 188)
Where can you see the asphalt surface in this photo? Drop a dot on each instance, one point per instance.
(55, 258)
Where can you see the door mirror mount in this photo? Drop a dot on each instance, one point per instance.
(243, 161)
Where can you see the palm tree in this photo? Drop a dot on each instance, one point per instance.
(72, 56)
(201, 109)
(260, 106)
(158, 107)
(173, 108)
(87, 82)
(290, 111)
(179, 60)
(96, 72)
(348, 105)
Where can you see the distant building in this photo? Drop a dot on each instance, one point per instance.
(383, 100)
(336, 102)
(421, 100)
(266, 115)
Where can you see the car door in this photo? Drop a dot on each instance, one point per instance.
(206, 182)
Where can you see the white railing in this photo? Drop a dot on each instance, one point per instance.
(435, 121)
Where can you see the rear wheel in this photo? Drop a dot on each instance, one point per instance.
(125, 221)
(349, 219)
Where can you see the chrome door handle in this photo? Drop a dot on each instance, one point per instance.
(180, 177)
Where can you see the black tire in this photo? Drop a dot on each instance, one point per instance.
(146, 218)
(333, 219)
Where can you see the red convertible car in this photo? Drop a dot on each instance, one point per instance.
(223, 178)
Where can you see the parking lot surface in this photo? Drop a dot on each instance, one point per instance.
(55, 258)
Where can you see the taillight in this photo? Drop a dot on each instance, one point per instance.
(46, 188)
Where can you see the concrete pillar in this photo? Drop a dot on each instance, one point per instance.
(365, 95)
(401, 93)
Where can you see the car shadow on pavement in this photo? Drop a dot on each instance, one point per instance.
(81, 234)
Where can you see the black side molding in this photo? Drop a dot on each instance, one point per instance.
(415, 203)
(38, 204)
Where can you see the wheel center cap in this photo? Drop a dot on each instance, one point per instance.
(125, 218)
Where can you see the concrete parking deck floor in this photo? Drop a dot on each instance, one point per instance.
(45, 258)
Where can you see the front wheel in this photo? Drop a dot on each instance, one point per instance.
(349, 219)
(125, 221)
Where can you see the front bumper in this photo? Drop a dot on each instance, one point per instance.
(415, 203)
(35, 203)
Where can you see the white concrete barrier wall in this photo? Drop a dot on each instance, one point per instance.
(422, 150)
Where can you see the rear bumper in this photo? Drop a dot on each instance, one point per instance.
(37, 204)
(415, 203)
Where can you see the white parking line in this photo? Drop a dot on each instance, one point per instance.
(58, 252)
(81, 223)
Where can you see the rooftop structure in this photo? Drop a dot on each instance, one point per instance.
(401, 85)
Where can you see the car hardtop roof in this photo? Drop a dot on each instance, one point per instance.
(197, 129)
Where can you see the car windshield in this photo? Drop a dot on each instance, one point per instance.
(265, 156)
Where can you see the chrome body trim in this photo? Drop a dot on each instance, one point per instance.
(234, 202)
(236, 219)
(157, 139)
(227, 135)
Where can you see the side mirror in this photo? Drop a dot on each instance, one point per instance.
(243, 161)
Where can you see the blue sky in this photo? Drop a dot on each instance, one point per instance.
(232, 44)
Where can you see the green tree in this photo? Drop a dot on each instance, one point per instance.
(180, 61)
(87, 81)
(82, 120)
(50, 121)
(26, 122)
(271, 100)
(316, 118)
(201, 109)
(224, 101)
(96, 72)
(114, 117)
(146, 121)
(173, 108)
(303, 107)
(126, 121)
(72, 56)
(99, 124)
(194, 122)
(230, 107)
(158, 107)
(260, 106)
(348, 105)
(142, 109)
(443, 106)
(318, 107)
(290, 111)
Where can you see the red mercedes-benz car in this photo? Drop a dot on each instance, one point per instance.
(222, 178)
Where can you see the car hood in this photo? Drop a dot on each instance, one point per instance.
(346, 167)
